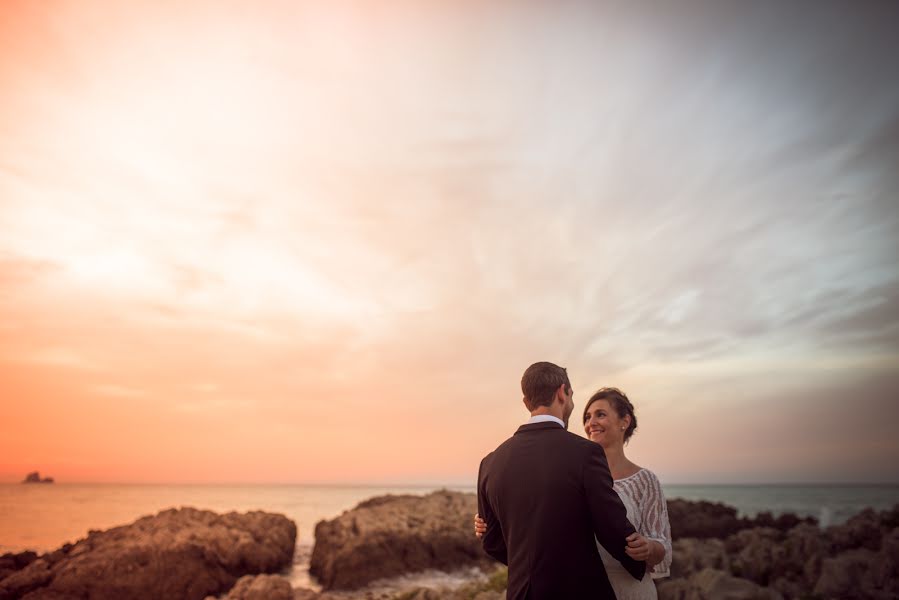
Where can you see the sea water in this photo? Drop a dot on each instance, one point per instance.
(42, 517)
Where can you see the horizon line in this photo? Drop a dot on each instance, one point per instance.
(447, 484)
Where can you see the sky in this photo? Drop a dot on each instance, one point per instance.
(290, 242)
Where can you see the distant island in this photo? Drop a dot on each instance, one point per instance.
(35, 477)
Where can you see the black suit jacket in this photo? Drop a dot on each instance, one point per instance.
(545, 493)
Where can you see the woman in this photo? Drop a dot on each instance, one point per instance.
(609, 420)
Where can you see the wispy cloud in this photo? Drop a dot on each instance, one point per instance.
(378, 231)
(55, 357)
(118, 391)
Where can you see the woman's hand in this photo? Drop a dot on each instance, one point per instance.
(638, 547)
(480, 526)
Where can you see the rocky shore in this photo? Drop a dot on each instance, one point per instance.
(392, 535)
(193, 554)
(717, 555)
(176, 554)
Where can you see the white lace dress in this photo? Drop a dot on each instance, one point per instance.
(647, 510)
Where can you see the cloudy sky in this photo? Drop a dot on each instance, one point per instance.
(320, 242)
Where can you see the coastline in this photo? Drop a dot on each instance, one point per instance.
(42, 518)
(714, 546)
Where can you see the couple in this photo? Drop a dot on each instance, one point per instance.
(572, 518)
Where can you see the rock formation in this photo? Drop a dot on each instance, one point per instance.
(859, 560)
(259, 587)
(10, 563)
(701, 519)
(713, 584)
(35, 477)
(391, 535)
(184, 554)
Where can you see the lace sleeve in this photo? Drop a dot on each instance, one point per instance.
(655, 523)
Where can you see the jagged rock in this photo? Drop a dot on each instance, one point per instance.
(391, 535)
(185, 553)
(862, 573)
(841, 575)
(712, 584)
(35, 477)
(784, 522)
(756, 554)
(864, 530)
(10, 563)
(691, 555)
(701, 519)
(260, 587)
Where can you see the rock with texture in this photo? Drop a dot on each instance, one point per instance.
(692, 555)
(177, 554)
(712, 584)
(391, 535)
(701, 519)
(259, 587)
(10, 563)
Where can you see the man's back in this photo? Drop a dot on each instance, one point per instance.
(544, 494)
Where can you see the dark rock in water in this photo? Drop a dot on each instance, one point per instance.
(184, 554)
(701, 519)
(35, 477)
(391, 535)
(10, 563)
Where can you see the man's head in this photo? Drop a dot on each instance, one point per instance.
(547, 390)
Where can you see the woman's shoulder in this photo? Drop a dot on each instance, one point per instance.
(641, 477)
(648, 475)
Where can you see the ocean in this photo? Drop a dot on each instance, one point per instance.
(43, 517)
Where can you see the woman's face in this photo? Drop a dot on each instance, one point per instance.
(603, 425)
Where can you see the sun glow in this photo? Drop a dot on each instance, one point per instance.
(309, 240)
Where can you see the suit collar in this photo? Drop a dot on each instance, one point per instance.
(528, 427)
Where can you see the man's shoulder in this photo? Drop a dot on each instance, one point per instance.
(552, 435)
(582, 445)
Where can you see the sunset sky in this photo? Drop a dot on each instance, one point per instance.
(321, 241)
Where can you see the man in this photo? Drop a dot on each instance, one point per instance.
(545, 493)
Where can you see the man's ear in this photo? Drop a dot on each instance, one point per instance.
(560, 396)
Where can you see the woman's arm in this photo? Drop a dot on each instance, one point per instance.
(657, 528)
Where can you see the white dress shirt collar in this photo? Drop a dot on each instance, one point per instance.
(545, 419)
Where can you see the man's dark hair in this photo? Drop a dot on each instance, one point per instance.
(540, 382)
